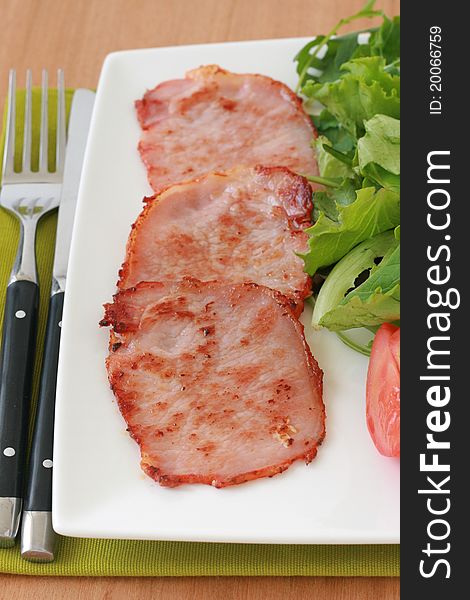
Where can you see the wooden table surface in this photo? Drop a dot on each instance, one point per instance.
(77, 35)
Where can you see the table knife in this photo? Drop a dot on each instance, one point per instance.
(37, 535)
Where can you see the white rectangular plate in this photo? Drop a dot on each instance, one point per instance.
(348, 494)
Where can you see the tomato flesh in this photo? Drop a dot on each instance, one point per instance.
(383, 391)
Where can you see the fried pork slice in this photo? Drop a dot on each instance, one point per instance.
(214, 120)
(242, 226)
(215, 381)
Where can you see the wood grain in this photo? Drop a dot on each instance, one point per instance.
(77, 35)
(200, 588)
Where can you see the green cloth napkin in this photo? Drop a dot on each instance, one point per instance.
(77, 556)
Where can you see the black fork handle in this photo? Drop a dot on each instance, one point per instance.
(16, 370)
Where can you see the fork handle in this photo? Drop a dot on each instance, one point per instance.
(16, 369)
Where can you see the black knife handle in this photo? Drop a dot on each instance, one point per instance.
(38, 494)
(16, 370)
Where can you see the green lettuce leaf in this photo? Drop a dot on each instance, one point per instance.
(368, 88)
(345, 225)
(329, 202)
(374, 302)
(338, 49)
(380, 144)
(328, 164)
(378, 152)
(386, 40)
(380, 307)
(359, 292)
(340, 139)
(382, 178)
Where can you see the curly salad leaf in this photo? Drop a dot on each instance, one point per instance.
(351, 88)
(363, 289)
(378, 152)
(369, 91)
(321, 59)
(338, 50)
(340, 228)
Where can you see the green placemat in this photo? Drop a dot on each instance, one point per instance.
(77, 556)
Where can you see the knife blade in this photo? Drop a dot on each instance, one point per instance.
(37, 534)
(79, 124)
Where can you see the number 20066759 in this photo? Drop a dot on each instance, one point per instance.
(435, 71)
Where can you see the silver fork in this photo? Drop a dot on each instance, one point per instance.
(28, 195)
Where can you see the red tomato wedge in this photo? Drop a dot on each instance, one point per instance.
(383, 391)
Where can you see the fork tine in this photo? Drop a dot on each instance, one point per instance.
(43, 137)
(27, 125)
(9, 151)
(61, 133)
